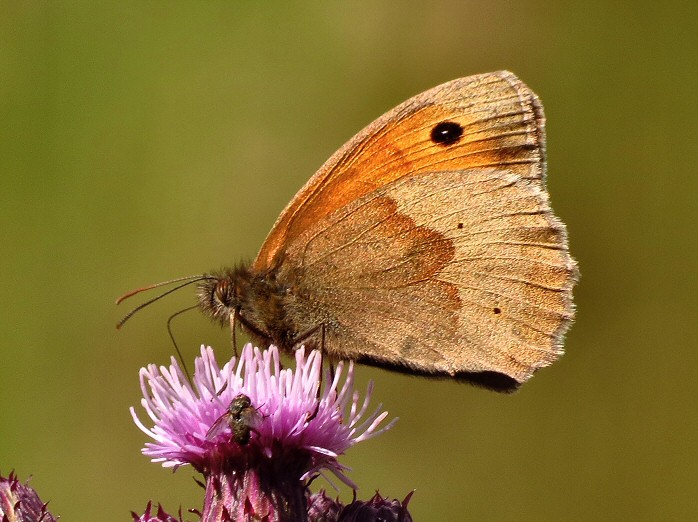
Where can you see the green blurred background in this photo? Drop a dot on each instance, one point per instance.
(147, 140)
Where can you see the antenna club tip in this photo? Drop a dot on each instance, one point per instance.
(189, 280)
(122, 298)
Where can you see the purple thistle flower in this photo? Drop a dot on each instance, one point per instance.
(20, 503)
(377, 509)
(258, 433)
(159, 516)
(322, 508)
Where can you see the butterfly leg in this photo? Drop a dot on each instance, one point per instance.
(233, 338)
(219, 392)
(309, 333)
(302, 337)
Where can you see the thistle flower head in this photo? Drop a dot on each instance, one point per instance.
(252, 412)
(20, 503)
(377, 508)
(159, 515)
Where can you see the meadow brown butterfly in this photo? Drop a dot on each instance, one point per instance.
(426, 245)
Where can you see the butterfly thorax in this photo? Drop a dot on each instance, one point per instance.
(252, 299)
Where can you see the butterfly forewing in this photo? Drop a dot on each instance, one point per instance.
(502, 126)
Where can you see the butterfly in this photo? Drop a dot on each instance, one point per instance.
(426, 244)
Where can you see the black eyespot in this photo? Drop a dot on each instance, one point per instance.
(497, 310)
(446, 133)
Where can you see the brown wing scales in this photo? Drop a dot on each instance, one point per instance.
(503, 127)
(451, 272)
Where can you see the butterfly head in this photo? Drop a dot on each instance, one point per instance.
(222, 294)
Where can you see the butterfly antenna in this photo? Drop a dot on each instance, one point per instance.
(191, 280)
(169, 331)
(156, 285)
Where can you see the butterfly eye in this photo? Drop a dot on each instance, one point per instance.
(446, 133)
(222, 292)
